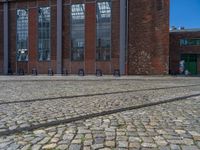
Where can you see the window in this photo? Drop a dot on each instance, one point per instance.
(44, 21)
(159, 4)
(22, 35)
(103, 30)
(190, 42)
(77, 32)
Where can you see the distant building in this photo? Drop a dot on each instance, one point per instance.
(127, 35)
(185, 46)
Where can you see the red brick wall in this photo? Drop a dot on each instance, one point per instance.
(33, 62)
(66, 36)
(90, 41)
(12, 36)
(148, 37)
(90, 64)
(33, 11)
(1, 38)
(176, 50)
(53, 35)
(115, 49)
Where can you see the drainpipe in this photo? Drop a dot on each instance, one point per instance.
(127, 34)
(5, 36)
(122, 36)
(59, 38)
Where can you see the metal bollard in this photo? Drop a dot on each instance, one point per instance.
(99, 73)
(116, 73)
(64, 72)
(50, 72)
(81, 72)
(34, 72)
(20, 71)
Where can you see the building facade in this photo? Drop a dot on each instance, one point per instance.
(131, 36)
(185, 46)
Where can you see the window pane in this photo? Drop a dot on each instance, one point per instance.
(159, 5)
(44, 20)
(189, 42)
(22, 35)
(103, 30)
(77, 31)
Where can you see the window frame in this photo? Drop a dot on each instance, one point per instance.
(159, 5)
(38, 32)
(187, 39)
(72, 49)
(98, 30)
(27, 43)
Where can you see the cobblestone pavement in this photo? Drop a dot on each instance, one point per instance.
(19, 88)
(168, 126)
(174, 125)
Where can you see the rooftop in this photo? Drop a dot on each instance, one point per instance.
(182, 29)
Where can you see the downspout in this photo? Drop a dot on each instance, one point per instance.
(127, 34)
(122, 36)
(5, 36)
(59, 38)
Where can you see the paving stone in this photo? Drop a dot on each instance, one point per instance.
(164, 148)
(188, 141)
(147, 139)
(62, 147)
(97, 146)
(180, 131)
(196, 138)
(99, 140)
(189, 148)
(75, 147)
(54, 140)
(198, 144)
(135, 139)
(134, 145)
(175, 147)
(149, 145)
(38, 132)
(110, 143)
(44, 141)
(26, 147)
(36, 140)
(49, 146)
(13, 146)
(86, 148)
(161, 142)
(123, 144)
(4, 144)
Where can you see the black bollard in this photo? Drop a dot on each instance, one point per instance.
(116, 73)
(81, 72)
(99, 73)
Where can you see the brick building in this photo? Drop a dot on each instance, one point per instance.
(185, 45)
(129, 35)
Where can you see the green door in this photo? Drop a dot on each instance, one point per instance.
(190, 63)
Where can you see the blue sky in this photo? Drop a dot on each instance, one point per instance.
(185, 13)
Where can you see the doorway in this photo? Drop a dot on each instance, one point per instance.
(190, 63)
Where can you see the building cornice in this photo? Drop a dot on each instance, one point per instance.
(184, 30)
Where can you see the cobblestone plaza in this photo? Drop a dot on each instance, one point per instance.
(89, 113)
